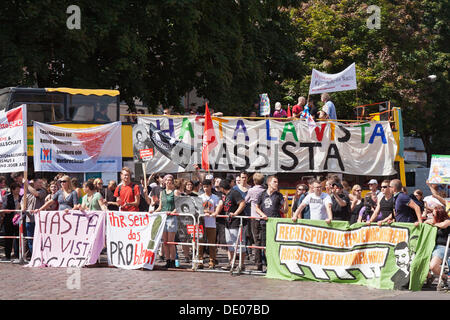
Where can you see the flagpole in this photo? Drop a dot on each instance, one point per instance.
(24, 199)
(144, 169)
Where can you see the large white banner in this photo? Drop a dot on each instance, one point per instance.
(271, 146)
(13, 140)
(133, 238)
(68, 238)
(342, 81)
(96, 149)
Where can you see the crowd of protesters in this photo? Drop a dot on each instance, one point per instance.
(251, 195)
(304, 108)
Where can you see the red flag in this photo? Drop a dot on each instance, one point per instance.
(289, 111)
(209, 138)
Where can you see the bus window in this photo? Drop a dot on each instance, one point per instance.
(410, 179)
(40, 107)
(4, 97)
(92, 108)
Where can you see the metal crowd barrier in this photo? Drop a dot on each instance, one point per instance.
(237, 245)
(445, 261)
(195, 243)
(20, 237)
(192, 243)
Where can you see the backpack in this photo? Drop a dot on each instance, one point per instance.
(143, 206)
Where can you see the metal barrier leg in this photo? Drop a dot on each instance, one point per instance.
(444, 262)
(21, 242)
(235, 249)
(241, 231)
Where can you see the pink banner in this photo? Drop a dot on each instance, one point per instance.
(68, 238)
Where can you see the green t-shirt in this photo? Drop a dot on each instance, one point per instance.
(168, 201)
(93, 203)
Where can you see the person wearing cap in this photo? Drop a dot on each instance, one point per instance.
(373, 187)
(279, 112)
(340, 203)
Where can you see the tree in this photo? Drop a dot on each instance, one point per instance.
(410, 45)
(152, 50)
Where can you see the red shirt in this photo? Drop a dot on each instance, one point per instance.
(126, 195)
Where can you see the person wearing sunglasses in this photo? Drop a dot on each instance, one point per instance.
(66, 197)
(384, 211)
(356, 204)
(319, 204)
(300, 194)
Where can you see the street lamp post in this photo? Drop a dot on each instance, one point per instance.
(431, 78)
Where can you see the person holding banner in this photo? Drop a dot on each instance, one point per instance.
(328, 108)
(92, 200)
(406, 210)
(167, 204)
(66, 197)
(53, 188)
(319, 205)
(440, 220)
(435, 199)
(385, 206)
(357, 203)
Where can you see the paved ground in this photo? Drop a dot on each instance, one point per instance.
(107, 283)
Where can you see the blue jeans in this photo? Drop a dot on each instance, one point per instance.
(29, 232)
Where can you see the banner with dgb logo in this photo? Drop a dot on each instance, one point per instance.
(395, 256)
(95, 149)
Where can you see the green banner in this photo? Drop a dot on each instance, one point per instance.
(395, 256)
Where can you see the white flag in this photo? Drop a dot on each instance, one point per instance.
(342, 81)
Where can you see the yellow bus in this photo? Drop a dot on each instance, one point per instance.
(70, 108)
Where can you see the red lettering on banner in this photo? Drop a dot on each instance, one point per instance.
(319, 132)
(149, 257)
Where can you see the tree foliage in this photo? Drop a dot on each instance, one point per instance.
(230, 51)
(411, 43)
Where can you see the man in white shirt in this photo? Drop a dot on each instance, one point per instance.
(319, 205)
(210, 202)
